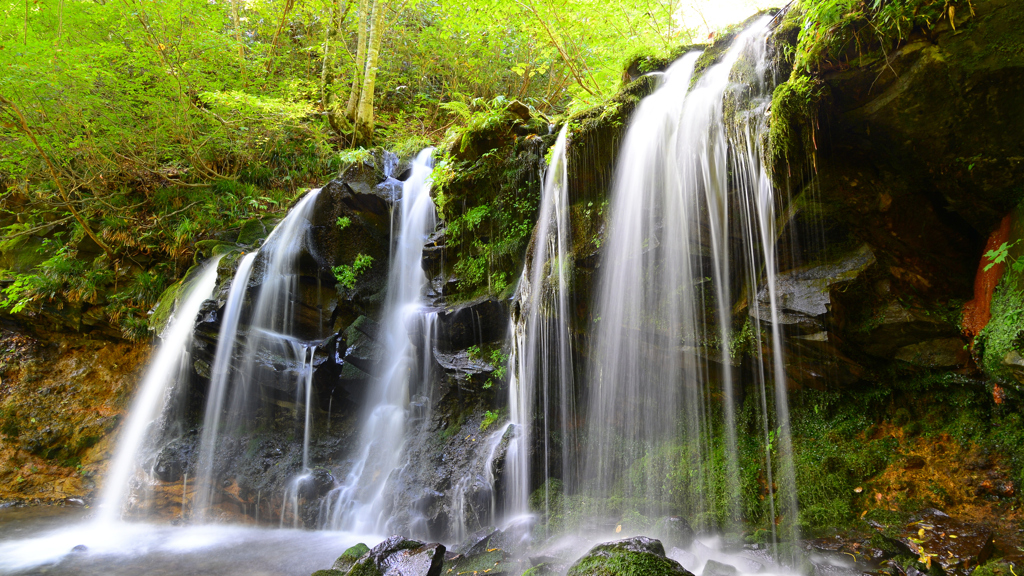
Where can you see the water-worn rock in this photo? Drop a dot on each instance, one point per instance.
(638, 555)
(712, 568)
(397, 556)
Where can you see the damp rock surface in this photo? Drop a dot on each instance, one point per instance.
(637, 555)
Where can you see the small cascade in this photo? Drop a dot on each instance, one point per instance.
(541, 393)
(219, 376)
(359, 503)
(691, 233)
(478, 483)
(255, 362)
(169, 367)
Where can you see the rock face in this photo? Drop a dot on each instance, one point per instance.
(920, 153)
(639, 555)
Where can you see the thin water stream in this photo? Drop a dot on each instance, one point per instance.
(358, 503)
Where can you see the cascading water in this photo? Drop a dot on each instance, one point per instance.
(358, 504)
(265, 356)
(540, 359)
(169, 367)
(661, 406)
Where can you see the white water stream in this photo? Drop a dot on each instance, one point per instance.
(358, 504)
(164, 371)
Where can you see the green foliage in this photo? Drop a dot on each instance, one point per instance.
(343, 222)
(834, 31)
(794, 117)
(347, 275)
(1002, 333)
(1001, 255)
(489, 419)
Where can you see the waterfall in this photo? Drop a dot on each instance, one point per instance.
(540, 360)
(358, 504)
(168, 367)
(219, 376)
(263, 357)
(691, 232)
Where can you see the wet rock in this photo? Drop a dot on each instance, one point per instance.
(362, 350)
(472, 323)
(491, 561)
(398, 556)
(1014, 363)
(674, 531)
(803, 295)
(252, 232)
(923, 157)
(712, 568)
(937, 353)
(433, 253)
(425, 560)
(895, 327)
(956, 546)
(638, 555)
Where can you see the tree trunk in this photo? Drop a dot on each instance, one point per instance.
(357, 80)
(364, 117)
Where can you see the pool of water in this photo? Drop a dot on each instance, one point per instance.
(59, 541)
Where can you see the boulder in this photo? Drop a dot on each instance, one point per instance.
(398, 556)
(712, 568)
(349, 557)
(638, 555)
(803, 295)
(674, 531)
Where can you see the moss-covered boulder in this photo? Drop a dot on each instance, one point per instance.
(396, 556)
(349, 557)
(630, 557)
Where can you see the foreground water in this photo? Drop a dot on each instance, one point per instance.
(58, 541)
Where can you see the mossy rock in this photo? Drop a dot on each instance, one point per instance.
(206, 249)
(252, 232)
(639, 556)
(165, 306)
(491, 561)
(330, 572)
(349, 557)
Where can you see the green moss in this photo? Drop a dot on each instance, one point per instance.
(252, 232)
(355, 552)
(837, 32)
(365, 567)
(625, 563)
(164, 306)
(994, 568)
(794, 114)
(488, 195)
(1002, 334)
(330, 572)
